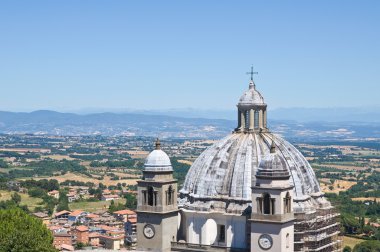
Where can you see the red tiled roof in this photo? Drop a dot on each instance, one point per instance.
(117, 231)
(111, 196)
(112, 237)
(82, 228)
(76, 213)
(106, 191)
(94, 235)
(376, 225)
(125, 212)
(62, 212)
(67, 247)
(105, 227)
(54, 227)
(92, 216)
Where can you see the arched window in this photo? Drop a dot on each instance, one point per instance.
(288, 203)
(170, 196)
(256, 119)
(267, 203)
(150, 196)
(246, 119)
(287, 240)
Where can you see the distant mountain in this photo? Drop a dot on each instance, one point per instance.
(135, 124)
(56, 123)
(338, 114)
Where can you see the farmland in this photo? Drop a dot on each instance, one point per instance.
(348, 172)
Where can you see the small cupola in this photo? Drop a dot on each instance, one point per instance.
(273, 166)
(157, 160)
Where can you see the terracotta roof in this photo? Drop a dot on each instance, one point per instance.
(376, 225)
(62, 234)
(67, 247)
(111, 196)
(41, 215)
(54, 227)
(82, 228)
(105, 227)
(112, 237)
(76, 213)
(106, 191)
(92, 216)
(94, 234)
(118, 231)
(125, 212)
(62, 212)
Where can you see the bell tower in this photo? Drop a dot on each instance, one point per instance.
(157, 211)
(272, 220)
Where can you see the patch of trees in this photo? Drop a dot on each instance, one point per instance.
(356, 208)
(22, 232)
(3, 164)
(131, 201)
(14, 202)
(179, 170)
(47, 168)
(367, 187)
(19, 155)
(130, 163)
(88, 157)
(77, 183)
(63, 202)
(367, 246)
(48, 185)
(113, 207)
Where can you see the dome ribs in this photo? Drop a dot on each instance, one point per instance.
(236, 181)
(223, 174)
(228, 178)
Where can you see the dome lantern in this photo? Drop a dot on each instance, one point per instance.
(252, 110)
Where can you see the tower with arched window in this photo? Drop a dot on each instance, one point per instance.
(272, 220)
(157, 211)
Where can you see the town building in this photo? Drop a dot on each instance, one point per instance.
(81, 233)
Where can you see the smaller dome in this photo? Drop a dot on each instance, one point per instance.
(158, 160)
(251, 96)
(273, 166)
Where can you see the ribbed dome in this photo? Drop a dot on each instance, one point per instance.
(222, 176)
(251, 96)
(158, 160)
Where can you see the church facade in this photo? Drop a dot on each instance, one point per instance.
(250, 191)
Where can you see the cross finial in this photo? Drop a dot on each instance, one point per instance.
(252, 73)
(158, 144)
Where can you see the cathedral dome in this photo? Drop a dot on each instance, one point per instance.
(251, 96)
(227, 171)
(221, 178)
(158, 160)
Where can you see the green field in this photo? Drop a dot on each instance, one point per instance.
(6, 170)
(93, 206)
(25, 199)
(351, 242)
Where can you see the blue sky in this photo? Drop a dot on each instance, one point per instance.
(72, 55)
